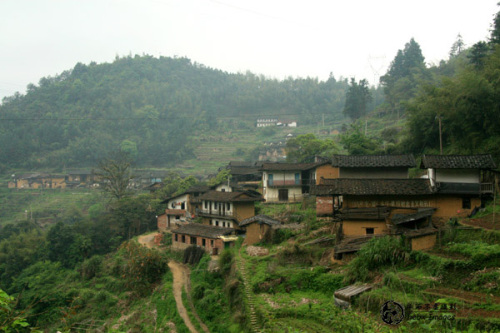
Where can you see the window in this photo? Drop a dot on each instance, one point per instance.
(183, 239)
(172, 205)
(176, 238)
(212, 242)
(466, 203)
(224, 224)
(216, 223)
(370, 231)
(203, 242)
(215, 205)
(183, 205)
(193, 240)
(177, 217)
(205, 204)
(228, 206)
(223, 190)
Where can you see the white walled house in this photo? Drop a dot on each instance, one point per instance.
(285, 182)
(458, 173)
(227, 209)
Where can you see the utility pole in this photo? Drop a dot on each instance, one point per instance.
(438, 117)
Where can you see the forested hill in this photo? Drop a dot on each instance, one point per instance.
(149, 106)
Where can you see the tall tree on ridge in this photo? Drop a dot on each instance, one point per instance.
(357, 98)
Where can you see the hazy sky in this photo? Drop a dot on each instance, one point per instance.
(276, 38)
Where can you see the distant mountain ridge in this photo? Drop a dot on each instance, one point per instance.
(149, 106)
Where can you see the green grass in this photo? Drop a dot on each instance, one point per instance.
(43, 205)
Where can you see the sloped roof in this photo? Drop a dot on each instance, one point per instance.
(484, 161)
(219, 196)
(287, 166)
(373, 161)
(201, 230)
(348, 186)
(419, 214)
(260, 219)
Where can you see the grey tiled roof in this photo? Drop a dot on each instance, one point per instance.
(260, 218)
(287, 166)
(484, 161)
(202, 230)
(231, 196)
(373, 161)
(346, 186)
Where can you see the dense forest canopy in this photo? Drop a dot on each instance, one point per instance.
(150, 106)
(154, 108)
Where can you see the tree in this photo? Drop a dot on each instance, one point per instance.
(357, 98)
(405, 74)
(495, 32)
(303, 148)
(457, 47)
(357, 143)
(478, 54)
(115, 173)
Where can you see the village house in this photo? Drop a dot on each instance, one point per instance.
(258, 228)
(265, 122)
(244, 174)
(172, 218)
(80, 177)
(227, 209)
(358, 167)
(379, 207)
(188, 201)
(212, 239)
(285, 182)
(459, 181)
(37, 181)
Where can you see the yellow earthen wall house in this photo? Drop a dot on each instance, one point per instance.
(326, 171)
(423, 242)
(359, 227)
(256, 233)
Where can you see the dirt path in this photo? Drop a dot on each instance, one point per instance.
(147, 240)
(180, 274)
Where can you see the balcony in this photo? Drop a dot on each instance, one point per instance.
(217, 213)
(286, 183)
(487, 188)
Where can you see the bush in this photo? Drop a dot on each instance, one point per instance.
(144, 266)
(377, 253)
(91, 267)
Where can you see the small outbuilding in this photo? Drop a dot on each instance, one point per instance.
(258, 228)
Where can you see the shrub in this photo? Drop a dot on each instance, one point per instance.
(377, 253)
(91, 267)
